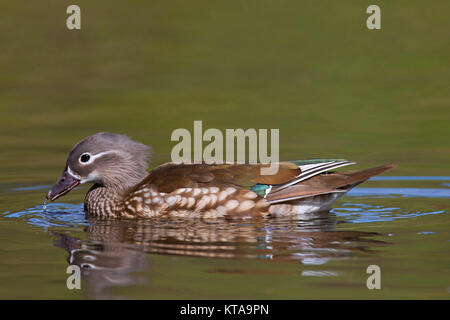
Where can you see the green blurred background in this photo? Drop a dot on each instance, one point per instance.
(144, 68)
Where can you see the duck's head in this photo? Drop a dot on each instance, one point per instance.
(108, 159)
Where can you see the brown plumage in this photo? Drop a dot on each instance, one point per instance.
(326, 183)
(123, 189)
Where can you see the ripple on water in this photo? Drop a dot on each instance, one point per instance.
(358, 213)
(55, 215)
(401, 192)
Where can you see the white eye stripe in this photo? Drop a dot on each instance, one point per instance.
(91, 177)
(92, 157)
(73, 174)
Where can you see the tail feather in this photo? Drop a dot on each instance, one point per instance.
(336, 182)
(352, 178)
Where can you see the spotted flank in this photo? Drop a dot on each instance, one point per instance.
(206, 203)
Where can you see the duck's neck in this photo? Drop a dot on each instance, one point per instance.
(104, 202)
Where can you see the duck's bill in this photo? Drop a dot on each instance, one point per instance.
(63, 186)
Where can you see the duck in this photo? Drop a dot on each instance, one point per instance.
(122, 188)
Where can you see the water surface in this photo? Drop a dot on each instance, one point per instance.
(312, 256)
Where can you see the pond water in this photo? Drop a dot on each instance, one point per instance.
(403, 230)
(311, 69)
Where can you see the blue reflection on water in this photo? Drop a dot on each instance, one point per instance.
(56, 215)
(359, 213)
(401, 192)
(42, 187)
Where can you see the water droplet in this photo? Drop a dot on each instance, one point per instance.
(44, 207)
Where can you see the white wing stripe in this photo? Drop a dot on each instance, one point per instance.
(312, 172)
(307, 167)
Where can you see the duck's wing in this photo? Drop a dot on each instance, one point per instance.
(170, 176)
(294, 180)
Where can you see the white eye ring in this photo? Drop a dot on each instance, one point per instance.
(92, 157)
(85, 158)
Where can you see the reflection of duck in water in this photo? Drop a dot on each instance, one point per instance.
(103, 264)
(124, 189)
(117, 249)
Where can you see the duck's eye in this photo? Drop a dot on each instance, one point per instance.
(85, 157)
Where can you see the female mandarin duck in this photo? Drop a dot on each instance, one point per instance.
(124, 189)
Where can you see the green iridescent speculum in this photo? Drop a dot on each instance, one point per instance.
(260, 189)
